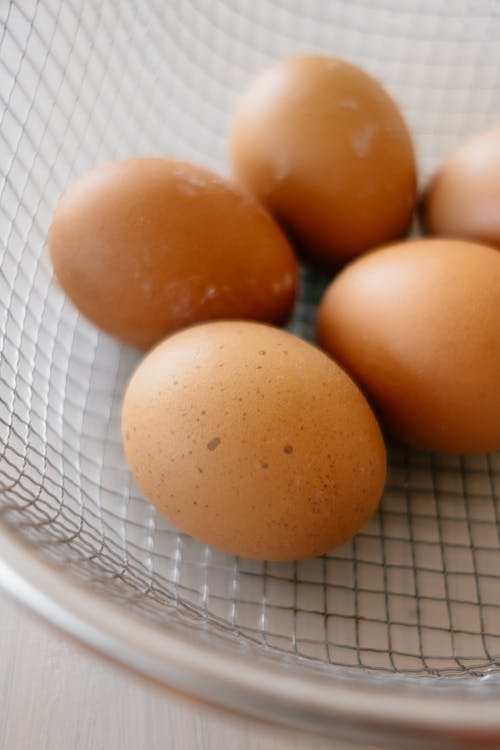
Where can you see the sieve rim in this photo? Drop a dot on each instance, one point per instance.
(235, 681)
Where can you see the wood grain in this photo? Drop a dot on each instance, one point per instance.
(56, 696)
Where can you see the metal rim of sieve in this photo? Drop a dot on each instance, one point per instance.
(232, 681)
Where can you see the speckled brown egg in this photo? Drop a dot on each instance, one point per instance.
(253, 441)
(418, 326)
(463, 199)
(146, 246)
(325, 148)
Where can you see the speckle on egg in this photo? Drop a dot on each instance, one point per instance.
(349, 104)
(362, 140)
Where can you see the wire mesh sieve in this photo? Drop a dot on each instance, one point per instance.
(417, 593)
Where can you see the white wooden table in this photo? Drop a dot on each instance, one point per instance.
(56, 696)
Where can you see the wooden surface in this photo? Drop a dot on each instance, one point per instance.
(56, 696)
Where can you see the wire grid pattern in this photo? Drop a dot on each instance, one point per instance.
(418, 590)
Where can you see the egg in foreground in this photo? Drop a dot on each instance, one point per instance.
(253, 441)
(417, 325)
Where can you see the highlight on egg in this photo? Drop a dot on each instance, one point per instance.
(323, 145)
(417, 326)
(146, 246)
(253, 441)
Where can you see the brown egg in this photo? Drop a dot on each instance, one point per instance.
(253, 441)
(146, 246)
(463, 199)
(418, 325)
(325, 148)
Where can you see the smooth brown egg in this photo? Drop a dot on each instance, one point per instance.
(325, 148)
(146, 246)
(253, 441)
(418, 326)
(463, 199)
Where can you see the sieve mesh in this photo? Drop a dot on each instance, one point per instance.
(418, 590)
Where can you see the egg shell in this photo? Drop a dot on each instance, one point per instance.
(463, 199)
(418, 326)
(146, 246)
(325, 148)
(253, 441)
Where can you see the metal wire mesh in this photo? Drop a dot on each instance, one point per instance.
(418, 591)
